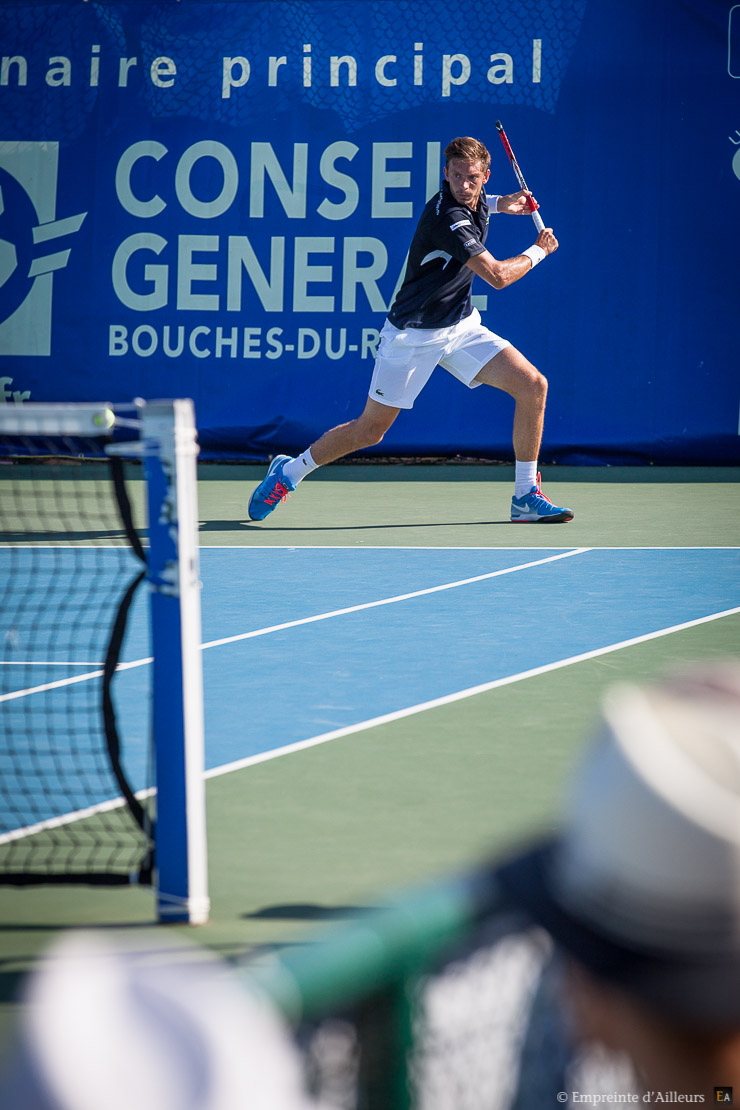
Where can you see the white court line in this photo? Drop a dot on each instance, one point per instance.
(305, 620)
(71, 681)
(362, 726)
(49, 663)
(393, 600)
(69, 818)
(365, 547)
(459, 695)
(448, 547)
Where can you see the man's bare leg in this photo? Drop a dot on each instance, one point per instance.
(285, 473)
(511, 371)
(365, 431)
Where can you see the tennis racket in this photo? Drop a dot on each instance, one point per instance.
(536, 218)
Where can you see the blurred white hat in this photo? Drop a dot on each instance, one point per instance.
(159, 1026)
(643, 882)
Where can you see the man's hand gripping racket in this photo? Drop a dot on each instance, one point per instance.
(537, 219)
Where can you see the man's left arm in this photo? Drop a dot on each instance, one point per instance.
(500, 273)
(515, 204)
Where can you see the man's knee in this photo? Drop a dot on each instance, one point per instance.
(531, 383)
(372, 426)
(540, 385)
(370, 432)
(515, 374)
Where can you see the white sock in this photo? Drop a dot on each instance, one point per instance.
(525, 476)
(297, 469)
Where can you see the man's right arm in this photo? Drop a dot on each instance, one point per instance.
(500, 274)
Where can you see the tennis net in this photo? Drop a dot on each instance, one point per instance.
(86, 710)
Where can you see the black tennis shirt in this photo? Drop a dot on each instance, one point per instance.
(436, 288)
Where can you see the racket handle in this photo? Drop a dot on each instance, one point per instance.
(537, 219)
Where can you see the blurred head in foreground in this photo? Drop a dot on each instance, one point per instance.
(111, 1023)
(641, 888)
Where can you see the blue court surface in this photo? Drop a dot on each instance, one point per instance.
(303, 645)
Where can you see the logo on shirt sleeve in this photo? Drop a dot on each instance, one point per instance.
(437, 254)
(460, 223)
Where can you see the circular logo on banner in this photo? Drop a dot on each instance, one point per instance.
(30, 247)
(17, 221)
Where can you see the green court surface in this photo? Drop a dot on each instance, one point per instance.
(463, 505)
(310, 837)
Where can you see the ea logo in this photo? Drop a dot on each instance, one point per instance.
(29, 251)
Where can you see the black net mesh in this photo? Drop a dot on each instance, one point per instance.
(67, 588)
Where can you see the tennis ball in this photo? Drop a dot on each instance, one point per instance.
(104, 419)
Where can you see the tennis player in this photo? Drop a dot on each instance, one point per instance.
(432, 322)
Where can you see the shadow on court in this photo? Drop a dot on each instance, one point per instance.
(305, 911)
(244, 526)
(66, 536)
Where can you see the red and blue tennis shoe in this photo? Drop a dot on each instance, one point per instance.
(274, 489)
(536, 508)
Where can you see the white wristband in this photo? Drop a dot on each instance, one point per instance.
(535, 254)
(493, 199)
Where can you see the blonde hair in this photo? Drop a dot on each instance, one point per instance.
(468, 150)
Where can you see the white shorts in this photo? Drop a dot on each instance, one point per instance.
(406, 359)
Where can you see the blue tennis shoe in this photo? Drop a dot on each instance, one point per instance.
(272, 490)
(536, 508)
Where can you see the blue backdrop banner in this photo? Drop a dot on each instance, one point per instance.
(215, 200)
